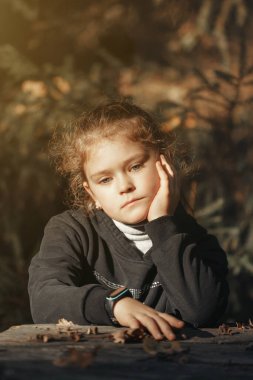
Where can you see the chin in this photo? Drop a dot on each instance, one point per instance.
(134, 219)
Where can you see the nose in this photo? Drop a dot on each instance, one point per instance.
(125, 184)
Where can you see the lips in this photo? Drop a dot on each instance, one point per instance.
(130, 201)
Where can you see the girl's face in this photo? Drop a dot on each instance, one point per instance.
(122, 178)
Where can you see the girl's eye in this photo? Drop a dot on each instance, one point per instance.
(105, 180)
(136, 167)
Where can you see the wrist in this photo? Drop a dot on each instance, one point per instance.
(158, 215)
(161, 229)
(113, 299)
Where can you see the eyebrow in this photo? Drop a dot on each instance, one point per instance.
(140, 156)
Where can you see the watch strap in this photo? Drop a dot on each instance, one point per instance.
(112, 299)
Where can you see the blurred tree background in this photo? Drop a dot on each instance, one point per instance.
(190, 62)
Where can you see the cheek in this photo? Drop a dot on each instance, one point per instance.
(104, 197)
(153, 181)
(156, 185)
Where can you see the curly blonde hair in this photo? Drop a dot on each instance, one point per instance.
(69, 148)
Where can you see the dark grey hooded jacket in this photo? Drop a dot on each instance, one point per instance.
(82, 259)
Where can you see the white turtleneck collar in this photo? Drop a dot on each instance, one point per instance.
(136, 234)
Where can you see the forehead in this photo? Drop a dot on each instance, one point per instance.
(110, 152)
(117, 147)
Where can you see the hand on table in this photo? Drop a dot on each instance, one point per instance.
(134, 314)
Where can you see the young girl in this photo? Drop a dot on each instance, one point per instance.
(127, 254)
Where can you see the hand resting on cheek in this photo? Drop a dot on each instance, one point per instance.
(167, 197)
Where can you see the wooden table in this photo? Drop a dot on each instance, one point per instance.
(75, 352)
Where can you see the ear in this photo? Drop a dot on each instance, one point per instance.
(87, 188)
(89, 191)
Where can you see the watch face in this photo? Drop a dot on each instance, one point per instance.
(117, 291)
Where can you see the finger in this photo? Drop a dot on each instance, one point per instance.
(151, 325)
(133, 323)
(173, 321)
(167, 165)
(171, 178)
(165, 328)
(162, 173)
(175, 184)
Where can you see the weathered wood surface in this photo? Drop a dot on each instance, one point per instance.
(205, 354)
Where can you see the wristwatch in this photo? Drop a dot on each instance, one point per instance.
(112, 299)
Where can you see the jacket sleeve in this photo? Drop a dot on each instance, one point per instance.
(61, 283)
(192, 268)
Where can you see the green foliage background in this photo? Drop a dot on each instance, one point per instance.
(189, 62)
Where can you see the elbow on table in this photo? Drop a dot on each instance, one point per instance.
(206, 314)
(41, 313)
(209, 308)
(199, 318)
